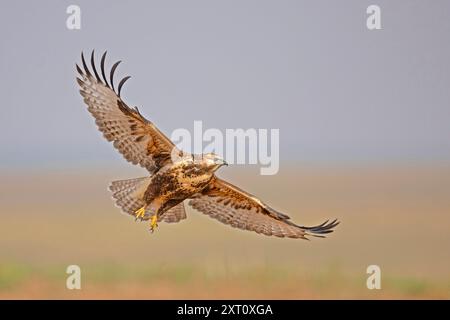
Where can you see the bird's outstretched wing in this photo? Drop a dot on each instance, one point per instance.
(231, 205)
(136, 138)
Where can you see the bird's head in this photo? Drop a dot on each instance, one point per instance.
(213, 161)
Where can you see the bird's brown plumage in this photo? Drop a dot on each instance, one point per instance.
(174, 175)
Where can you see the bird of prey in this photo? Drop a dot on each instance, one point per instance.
(174, 175)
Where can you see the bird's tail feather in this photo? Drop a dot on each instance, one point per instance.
(128, 194)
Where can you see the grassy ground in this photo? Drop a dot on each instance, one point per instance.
(397, 218)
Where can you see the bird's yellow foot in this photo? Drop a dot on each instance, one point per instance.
(153, 223)
(140, 213)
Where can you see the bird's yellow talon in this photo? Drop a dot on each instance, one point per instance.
(153, 223)
(140, 213)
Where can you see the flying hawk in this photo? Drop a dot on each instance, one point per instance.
(174, 175)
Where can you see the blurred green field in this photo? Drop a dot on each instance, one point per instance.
(394, 217)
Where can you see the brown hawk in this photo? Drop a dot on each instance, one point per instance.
(175, 175)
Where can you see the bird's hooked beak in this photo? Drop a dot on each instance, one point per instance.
(221, 162)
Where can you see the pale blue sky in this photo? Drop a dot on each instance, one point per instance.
(338, 92)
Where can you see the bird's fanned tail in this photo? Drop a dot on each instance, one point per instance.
(128, 194)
